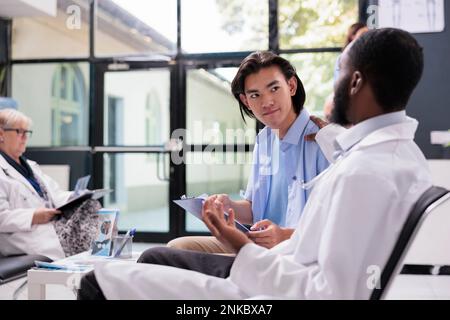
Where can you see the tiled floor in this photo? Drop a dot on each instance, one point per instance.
(418, 287)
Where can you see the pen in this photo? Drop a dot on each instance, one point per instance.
(130, 233)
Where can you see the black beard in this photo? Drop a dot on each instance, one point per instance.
(341, 103)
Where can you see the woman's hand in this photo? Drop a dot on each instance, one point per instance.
(44, 215)
(270, 235)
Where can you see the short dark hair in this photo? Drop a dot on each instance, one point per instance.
(254, 63)
(392, 62)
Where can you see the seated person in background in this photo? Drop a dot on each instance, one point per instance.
(354, 32)
(28, 199)
(351, 221)
(268, 88)
(328, 107)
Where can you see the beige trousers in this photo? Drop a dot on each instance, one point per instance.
(200, 243)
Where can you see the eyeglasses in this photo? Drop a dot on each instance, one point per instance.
(20, 132)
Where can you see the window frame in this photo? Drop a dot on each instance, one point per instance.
(178, 63)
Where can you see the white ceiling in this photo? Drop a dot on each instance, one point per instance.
(27, 8)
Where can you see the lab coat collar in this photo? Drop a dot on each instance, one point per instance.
(403, 130)
(345, 141)
(400, 131)
(11, 172)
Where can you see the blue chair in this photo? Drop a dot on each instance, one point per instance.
(6, 102)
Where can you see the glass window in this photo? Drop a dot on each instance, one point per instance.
(44, 30)
(316, 71)
(138, 192)
(135, 27)
(67, 106)
(214, 173)
(55, 96)
(137, 107)
(213, 115)
(224, 25)
(309, 24)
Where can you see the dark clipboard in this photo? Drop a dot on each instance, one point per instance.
(66, 208)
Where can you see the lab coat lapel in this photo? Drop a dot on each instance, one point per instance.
(12, 173)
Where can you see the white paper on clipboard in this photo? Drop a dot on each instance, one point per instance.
(194, 207)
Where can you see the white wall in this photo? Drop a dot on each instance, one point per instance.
(440, 171)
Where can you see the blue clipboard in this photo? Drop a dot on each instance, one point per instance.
(194, 207)
(54, 266)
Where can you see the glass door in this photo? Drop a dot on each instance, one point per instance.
(132, 153)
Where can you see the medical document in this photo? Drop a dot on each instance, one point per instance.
(194, 206)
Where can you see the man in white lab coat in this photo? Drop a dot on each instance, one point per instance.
(351, 221)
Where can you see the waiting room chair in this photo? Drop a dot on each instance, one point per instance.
(15, 267)
(6, 102)
(430, 200)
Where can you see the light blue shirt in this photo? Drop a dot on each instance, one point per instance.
(299, 160)
(278, 194)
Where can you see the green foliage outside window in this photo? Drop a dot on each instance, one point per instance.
(303, 24)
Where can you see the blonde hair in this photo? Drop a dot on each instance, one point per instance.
(11, 117)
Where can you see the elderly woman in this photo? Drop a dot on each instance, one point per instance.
(29, 222)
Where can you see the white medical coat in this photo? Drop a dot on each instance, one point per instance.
(344, 238)
(18, 201)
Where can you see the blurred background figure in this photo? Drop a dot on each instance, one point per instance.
(328, 107)
(29, 220)
(354, 32)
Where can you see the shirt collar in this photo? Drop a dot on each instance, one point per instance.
(296, 130)
(345, 141)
